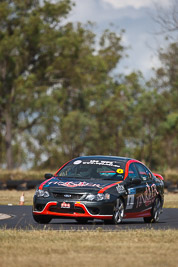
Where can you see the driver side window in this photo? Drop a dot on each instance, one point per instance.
(133, 172)
(143, 172)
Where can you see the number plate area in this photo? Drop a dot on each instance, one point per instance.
(65, 205)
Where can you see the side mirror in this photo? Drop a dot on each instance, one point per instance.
(48, 175)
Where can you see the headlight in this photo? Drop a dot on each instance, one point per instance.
(97, 197)
(41, 193)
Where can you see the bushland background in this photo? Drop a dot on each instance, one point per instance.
(61, 97)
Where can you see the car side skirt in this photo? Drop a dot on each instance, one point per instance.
(144, 213)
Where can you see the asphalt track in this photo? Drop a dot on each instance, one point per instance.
(21, 218)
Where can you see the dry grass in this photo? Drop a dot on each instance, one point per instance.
(66, 248)
(59, 248)
(13, 197)
(171, 200)
(171, 175)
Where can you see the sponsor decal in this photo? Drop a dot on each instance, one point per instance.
(120, 171)
(77, 162)
(65, 205)
(107, 196)
(130, 202)
(74, 184)
(148, 196)
(120, 189)
(108, 173)
(131, 191)
(101, 162)
(67, 195)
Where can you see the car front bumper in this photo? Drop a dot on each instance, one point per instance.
(73, 209)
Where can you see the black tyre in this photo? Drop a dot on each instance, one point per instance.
(81, 220)
(118, 211)
(155, 212)
(42, 218)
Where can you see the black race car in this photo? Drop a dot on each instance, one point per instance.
(100, 187)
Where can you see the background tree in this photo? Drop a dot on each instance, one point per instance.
(167, 19)
(27, 33)
(166, 82)
(83, 76)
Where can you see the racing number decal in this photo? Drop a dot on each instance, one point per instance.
(130, 202)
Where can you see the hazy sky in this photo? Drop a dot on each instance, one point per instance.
(132, 15)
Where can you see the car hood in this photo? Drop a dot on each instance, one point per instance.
(61, 184)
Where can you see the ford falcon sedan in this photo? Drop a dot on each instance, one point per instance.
(100, 187)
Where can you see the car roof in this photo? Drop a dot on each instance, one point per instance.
(99, 157)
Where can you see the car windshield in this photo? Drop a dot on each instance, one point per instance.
(94, 169)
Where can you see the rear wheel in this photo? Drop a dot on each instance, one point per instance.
(118, 212)
(155, 212)
(42, 218)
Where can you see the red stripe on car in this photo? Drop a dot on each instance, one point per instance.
(41, 185)
(127, 166)
(158, 176)
(144, 213)
(108, 186)
(62, 167)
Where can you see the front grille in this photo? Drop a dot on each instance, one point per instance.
(63, 210)
(66, 196)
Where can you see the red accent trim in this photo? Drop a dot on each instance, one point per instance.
(62, 167)
(145, 213)
(108, 186)
(158, 176)
(87, 214)
(41, 185)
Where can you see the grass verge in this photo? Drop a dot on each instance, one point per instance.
(171, 200)
(13, 197)
(59, 248)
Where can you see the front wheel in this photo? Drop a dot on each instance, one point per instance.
(118, 212)
(42, 218)
(155, 212)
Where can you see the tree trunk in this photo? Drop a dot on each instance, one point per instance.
(8, 139)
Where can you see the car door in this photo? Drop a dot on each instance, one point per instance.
(147, 195)
(134, 190)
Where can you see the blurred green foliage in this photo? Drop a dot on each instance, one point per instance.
(59, 98)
